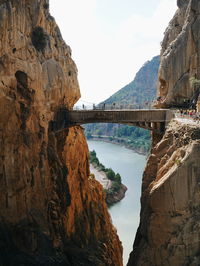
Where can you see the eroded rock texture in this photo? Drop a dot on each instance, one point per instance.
(180, 56)
(169, 227)
(168, 233)
(51, 213)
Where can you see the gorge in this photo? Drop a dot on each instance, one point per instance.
(124, 214)
(51, 212)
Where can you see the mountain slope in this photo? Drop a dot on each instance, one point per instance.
(142, 88)
(138, 93)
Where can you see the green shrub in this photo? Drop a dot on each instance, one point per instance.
(118, 178)
(115, 178)
(110, 174)
(115, 186)
(101, 167)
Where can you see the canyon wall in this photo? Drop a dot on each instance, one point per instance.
(180, 63)
(51, 212)
(169, 232)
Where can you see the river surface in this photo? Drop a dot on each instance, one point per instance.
(130, 165)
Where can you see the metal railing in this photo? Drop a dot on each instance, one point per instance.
(114, 106)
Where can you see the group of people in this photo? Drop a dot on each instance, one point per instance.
(100, 107)
(193, 114)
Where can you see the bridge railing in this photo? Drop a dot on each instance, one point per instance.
(114, 106)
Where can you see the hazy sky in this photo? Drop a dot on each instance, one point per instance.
(111, 39)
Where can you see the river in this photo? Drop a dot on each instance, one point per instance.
(130, 165)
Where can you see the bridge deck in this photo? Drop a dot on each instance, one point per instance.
(141, 118)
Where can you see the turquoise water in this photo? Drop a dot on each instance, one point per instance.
(130, 165)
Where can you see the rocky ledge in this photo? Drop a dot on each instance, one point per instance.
(116, 196)
(113, 194)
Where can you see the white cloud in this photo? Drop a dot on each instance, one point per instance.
(108, 59)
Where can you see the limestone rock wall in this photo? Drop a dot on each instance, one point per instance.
(51, 213)
(180, 62)
(168, 233)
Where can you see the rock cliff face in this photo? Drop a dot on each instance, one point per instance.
(169, 228)
(168, 233)
(51, 213)
(180, 57)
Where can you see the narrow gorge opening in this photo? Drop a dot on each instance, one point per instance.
(130, 165)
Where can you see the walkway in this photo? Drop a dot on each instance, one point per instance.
(151, 119)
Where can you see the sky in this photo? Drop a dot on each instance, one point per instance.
(111, 39)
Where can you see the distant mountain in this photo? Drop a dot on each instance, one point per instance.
(139, 93)
(142, 89)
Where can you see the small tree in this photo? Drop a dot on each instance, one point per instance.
(93, 153)
(115, 186)
(118, 178)
(110, 174)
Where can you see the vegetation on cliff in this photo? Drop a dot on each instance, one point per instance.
(138, 94)
(134, 138)
(117, 190)
(142, 89)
